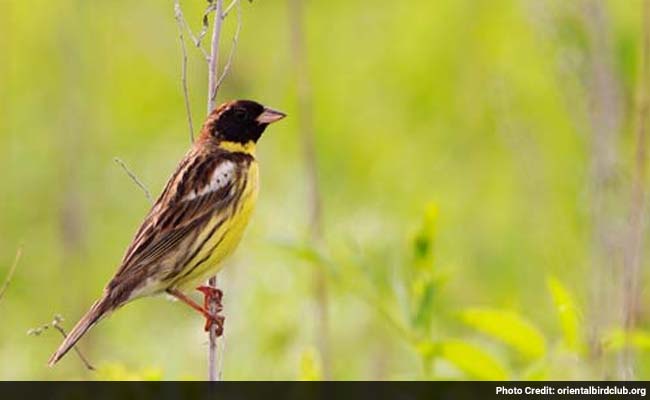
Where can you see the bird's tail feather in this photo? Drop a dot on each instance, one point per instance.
(98, 310)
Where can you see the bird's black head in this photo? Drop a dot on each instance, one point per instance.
(242, 121)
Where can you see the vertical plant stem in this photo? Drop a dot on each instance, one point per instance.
(605, 114)
(214, 373)
(213, 65)
(213, 76)
(305, 121)
(634, 243)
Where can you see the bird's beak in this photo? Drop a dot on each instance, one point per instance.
(269, 115)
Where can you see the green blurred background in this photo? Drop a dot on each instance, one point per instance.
(476, 166)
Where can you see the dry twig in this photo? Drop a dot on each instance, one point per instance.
(228, 9)
(205, 26)
(134, 178)
(196, 40)
(235, 41)
(56, 324)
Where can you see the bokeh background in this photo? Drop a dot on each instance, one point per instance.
(479, 167)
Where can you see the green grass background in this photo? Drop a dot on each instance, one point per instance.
(453, 144)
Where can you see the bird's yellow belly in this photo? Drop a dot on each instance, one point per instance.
(226, 238)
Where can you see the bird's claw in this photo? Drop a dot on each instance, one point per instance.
(212, 298)
(209, 294)
(217, 320)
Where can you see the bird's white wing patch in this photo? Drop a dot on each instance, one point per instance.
(221, 176)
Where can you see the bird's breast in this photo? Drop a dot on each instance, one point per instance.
(229, 231)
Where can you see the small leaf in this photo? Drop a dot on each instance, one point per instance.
(472, 360)
(568, 314)
(509, 328)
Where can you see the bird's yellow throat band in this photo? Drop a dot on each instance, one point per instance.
(248, 147)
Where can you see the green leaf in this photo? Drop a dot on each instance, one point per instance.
(472, 360)
(509, 328)
(568, 314)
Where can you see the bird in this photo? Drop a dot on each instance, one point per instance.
(197, 221)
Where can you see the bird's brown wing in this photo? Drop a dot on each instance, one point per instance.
(204, 185)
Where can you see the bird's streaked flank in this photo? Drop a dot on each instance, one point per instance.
(197, 221)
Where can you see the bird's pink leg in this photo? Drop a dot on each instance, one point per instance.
(209, 295)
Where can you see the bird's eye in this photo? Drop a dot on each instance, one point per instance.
(240, 115)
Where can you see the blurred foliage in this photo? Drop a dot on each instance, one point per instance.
(569, 318)
(472, 360)
(453, 148)
(117, 372)
(508, 327)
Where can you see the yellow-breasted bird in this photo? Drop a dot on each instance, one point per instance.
(197, 221)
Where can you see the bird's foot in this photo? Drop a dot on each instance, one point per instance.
(216, 320)
(212, 300)
(210, 294)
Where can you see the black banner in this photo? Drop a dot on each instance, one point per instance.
(319, 390)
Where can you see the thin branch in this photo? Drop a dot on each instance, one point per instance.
(206, 24)
(178, 14)
(230, 7)
(134, 178)
(214, 83)
(235, 41)
(220, 356)
(213, 365)
(195, 40)
(213, 65)
(56, 324)
(12, 270)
